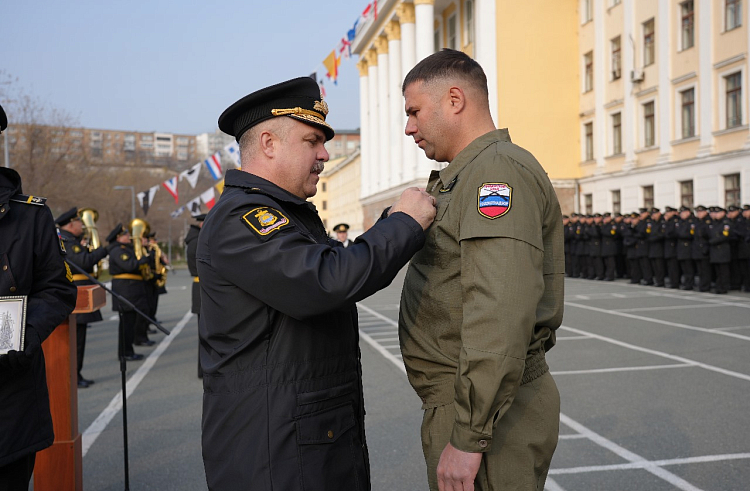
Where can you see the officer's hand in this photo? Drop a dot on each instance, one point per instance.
(456, 470)
(417, 204)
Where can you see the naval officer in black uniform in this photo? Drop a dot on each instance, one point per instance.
(283, 406)
(191, 244)
(71, 232)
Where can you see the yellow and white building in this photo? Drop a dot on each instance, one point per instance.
(598, 90)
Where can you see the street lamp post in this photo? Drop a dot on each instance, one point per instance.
(132, 199)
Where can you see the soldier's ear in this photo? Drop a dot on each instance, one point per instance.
(268, 143)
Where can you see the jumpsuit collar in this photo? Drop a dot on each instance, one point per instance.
(472, 150)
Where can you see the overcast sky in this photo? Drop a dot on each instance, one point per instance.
(169, 65)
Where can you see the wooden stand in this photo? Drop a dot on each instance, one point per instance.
(60, 466)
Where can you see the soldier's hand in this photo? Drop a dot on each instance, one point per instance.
(418, 204)
(457, 470)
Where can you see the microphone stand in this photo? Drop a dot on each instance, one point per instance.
(123, 365)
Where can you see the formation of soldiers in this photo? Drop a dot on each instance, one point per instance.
(706, 249)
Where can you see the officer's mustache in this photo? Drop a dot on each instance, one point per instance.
(318, 167)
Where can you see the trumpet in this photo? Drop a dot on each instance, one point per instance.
(138, 229)
(89, 217)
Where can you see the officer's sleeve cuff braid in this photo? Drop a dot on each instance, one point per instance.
(466, 440)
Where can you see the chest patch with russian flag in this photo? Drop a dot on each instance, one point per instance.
(494, 199)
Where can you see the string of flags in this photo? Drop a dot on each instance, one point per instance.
(343, 49)
(208, 198)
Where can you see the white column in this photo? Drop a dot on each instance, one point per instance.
(485, 48)
(629, 135)
(384, 174)
(747, 85)
(409, 150)
(705, 78)
(365, 143)
(663, 36)
(600, 80)
(373, 168)
(424, 11)
(396, 109)
(425, 19)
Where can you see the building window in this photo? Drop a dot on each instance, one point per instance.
(649, 126)
(589, 203)
(325, 205)
(686, 193)
(648, 42)
(616, 200)
(586, 12)
(733, 14)
(589, 130)
(732, 190)
(452, 35)
(616, 133)
(469, 20)
(688, 113)
(688, 27)
(734, 99)
(616, 67)
(588, 79)
(323, 187)
(648, 196)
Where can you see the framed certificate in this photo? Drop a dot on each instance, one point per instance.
(12, 323)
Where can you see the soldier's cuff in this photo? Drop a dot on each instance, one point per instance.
(466, 440)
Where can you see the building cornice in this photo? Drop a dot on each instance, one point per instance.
(729, 61)
(684, 78)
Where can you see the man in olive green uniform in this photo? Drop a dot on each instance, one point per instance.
(482, 299)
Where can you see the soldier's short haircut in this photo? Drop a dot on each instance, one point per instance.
(249, 140)
(445, 65)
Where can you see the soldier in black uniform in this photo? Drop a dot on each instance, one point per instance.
(31, 265)
(720, 254)
(595, 248)
(642, 233)
(655, 238)
(630, 244)
(128, 280)
(568, 237)
(71, 233)
(700, 247)
(587, 265)
(342, 234)
(671, 222)
(283, 405)
(610, 236)
(735, 271)
(191, 244)
(574, 245)
(743, 246)
(685, 228)
(621, 267)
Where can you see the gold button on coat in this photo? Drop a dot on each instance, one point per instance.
(330, 434)
(12, 288)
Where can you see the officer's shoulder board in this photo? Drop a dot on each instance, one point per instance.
(29, 200)
(264, 221)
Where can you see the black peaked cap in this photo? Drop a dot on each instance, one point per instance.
(66, 217)
(298, 98)
(115, 232)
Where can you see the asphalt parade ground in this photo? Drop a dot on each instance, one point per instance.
(653, 382)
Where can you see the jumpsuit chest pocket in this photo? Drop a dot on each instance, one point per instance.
(442, 202)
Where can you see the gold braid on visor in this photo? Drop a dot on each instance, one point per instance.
(297, 111)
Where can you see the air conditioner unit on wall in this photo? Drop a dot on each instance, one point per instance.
(637, 76)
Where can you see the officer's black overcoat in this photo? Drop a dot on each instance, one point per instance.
(122, 260)
(31, 264)
(282, 403)
(191, 244)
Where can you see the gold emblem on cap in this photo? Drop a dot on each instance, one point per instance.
(321, 106)
(298, 111)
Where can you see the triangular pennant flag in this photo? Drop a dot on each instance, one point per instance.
(177, 212)
(213, 163)
(233, 149)
(322, 90)
(209, 198)
(171, 186)
(192, 174)
(194, 206)
(331, 64)
(146, 198)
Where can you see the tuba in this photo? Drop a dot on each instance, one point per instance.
(161, 269)
(89, 216)
(138, 229)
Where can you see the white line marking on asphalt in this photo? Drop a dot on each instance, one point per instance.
(114, 318)
(621, 369)
(651, 467)
(387, 354)
(658, 321)
(723, 371)
(571, 437)
(619, 295)
(671, 307)
(660, 463)
(551, 485)
(100, 423)
(684, 293)
(572, 338)
(733, 328)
